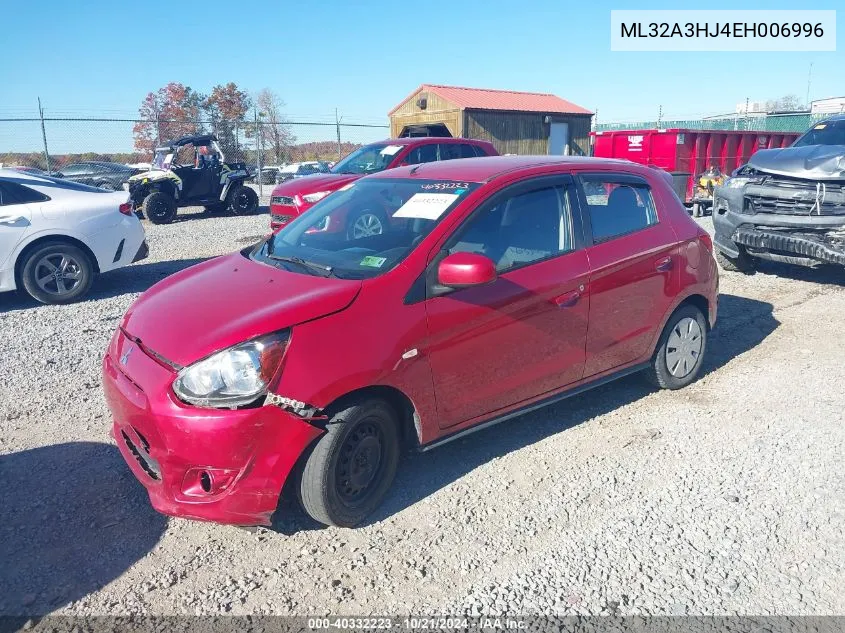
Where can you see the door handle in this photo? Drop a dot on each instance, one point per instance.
(662, 265)
(11, 219)
(567, 299)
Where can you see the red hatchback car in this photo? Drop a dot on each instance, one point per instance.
(500, 285)
(291, 199)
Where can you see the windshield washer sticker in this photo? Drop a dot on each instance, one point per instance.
(439, 186)
(373, 262)
(426, 206)
(459, 191)
(390, 150)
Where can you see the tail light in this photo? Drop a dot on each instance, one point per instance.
(704, 238)
(125, 208)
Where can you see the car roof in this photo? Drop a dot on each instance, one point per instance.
(8, 172)
(486, 168)
(419, 140)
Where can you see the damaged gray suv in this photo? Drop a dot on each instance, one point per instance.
(786, 205)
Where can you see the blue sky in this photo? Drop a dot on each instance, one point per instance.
(101, 58)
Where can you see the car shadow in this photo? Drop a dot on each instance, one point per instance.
(74, 519)
(128, 280)
(823, 275)
(742, 325)
(192, 214)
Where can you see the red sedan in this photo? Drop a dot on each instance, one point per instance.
(296, 196)
(498, 286)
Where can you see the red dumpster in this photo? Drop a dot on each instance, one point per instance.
(686, 153)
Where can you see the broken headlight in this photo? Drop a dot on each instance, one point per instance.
(233, 377)
(738, 182)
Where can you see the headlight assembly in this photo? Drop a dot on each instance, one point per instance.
(311, 198)
(738, 182)
(233, 377)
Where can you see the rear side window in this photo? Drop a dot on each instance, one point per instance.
(618, 208)
(476, 150)
(422, 154)
(13, 193)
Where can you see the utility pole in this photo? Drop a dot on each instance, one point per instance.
(258, 153)
(809, 81)
(659, 116)
(747, 99)
(44, 135)
(337, 125)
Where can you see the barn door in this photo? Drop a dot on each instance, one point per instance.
(559, 139)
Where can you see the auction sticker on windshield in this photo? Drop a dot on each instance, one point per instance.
(426, 206)
(375, 262)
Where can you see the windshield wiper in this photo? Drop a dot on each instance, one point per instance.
(325, 271)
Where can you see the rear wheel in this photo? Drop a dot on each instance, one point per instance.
(351, 468)
(742, 263)
(242, 200)
(680, 350)
(159, 207)
(57, 272)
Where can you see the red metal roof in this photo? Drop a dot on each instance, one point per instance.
(483, 99)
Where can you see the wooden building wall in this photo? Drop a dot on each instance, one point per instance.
(438, 110)
(525, 132)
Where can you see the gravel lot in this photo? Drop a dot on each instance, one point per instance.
(727, 497)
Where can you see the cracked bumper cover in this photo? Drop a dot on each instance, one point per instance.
(814, 237)
(253, 449)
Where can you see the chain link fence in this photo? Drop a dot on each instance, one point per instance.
(52, 143)
(752, 121)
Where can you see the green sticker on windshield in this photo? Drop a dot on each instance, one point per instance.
(373, 262)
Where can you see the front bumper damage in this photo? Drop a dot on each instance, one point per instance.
(782, 219)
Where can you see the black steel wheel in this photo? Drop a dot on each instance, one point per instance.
(159, 207)
(242, 200)
(351, 467)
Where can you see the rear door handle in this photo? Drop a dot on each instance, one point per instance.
(662, 265)
(568, 299)
(11, 219)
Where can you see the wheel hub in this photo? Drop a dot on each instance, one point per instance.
(360, 459)
(683, 347)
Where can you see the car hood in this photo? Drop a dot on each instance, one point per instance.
(314, 183)
(228, 300)
(154, 174)
(816, 162)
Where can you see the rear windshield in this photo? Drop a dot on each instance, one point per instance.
(364, 229)
(825, 133)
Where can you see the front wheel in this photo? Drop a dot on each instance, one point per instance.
(242, 200)
(351, 468)
(159, 207)
(57, 272)
(680, 350)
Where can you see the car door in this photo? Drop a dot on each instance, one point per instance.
(523, 335)
(633, 277)
(16, 208)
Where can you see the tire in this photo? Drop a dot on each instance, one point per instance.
(242, 200)
(365, 223)
(680, 349)
(40, 272)
(159, 207)
(741, 264)
(365, 430)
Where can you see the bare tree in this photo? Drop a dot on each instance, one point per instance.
(788, 103)
(276, 135)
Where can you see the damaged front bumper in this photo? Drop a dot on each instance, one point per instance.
(787, 220)
(221, 465)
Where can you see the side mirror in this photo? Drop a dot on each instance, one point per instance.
(462, 270)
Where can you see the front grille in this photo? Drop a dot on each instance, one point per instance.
(147, 463)
(795, 197)
(826, 246)
(280, 218)
(281, 200)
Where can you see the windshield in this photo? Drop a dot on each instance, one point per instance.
(364, 229)
(163, 159)
(367, 159)
(825, 133)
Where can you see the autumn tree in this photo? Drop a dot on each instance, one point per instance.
(788, 103)
(276, 136)
(226, 107)
(170, 112)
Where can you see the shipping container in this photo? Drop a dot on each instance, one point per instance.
(686, 153)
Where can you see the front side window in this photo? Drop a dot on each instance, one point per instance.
(521, 229)
(364, 229)
(422, 154)
(617, 208)
(368, 159)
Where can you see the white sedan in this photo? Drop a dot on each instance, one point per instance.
(57, 235)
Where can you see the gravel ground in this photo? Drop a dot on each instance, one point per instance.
(727, 497)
